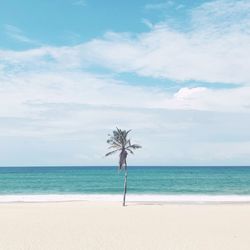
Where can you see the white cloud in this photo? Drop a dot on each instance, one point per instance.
(160, 53)
(215, 49)
(48, 97)
(159, 6)
(17, 34)
(164, 53)
(222, 16)
(70, 114)
(80, 3)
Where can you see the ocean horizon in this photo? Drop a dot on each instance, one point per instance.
(145, 183)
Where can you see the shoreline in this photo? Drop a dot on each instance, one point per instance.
(131, 198)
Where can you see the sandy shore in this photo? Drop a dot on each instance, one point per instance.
(100, 225)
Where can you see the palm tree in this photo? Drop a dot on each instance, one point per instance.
(119, 142)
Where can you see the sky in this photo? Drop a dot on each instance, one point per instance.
(175, 72)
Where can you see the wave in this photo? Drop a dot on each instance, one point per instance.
(130, 198)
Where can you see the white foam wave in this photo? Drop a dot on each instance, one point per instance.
(130, 198)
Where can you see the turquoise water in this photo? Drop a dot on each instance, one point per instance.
(141, 180)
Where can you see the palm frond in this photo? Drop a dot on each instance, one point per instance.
(114, 146)
(126, 134)
(113, 143)
(130, 151)
(112, 152)
(121, 136)
(128, 131)
(114, 140)
(118, 140)
(134, 146)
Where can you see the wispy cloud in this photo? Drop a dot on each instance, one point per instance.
(159, 6)
(77, 109)
(17, 34)
(209, 51)
(222, 16)
(147, 23)
(48, 95)
(82, 3)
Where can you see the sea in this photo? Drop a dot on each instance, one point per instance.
(165, 184)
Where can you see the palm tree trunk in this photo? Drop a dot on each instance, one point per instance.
(125, 185)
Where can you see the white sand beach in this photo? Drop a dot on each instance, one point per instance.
(108, 225)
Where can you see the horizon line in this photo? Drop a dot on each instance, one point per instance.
(114, 166)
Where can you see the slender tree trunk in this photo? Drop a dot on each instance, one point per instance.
(125, 185)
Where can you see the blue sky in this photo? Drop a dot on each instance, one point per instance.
(176, 73)
(72, 22)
